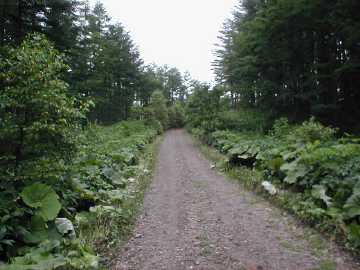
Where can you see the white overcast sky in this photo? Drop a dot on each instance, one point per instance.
(179, 33)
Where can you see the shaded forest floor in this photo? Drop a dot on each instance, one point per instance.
(194, 218)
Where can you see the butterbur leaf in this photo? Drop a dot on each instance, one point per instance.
(44, 262)
(40, 231)
(319, 192)
(44, 199)
(293, 171)
(86, 260)
(352, 206)
(291, 178)
(108, 172)
(51, 207)
(335, 213)
(238, 150)
(245, 156)
(40, 258)
(353, 211)
(3, 231)
(49, 245)
(289, 166)
(117, 195)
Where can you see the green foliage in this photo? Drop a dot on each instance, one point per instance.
(37, 138)
(65, 185)
(352, 205)
(210, 110)
(51, 169)
(310, 68)
(104, 174)
(281, 128)
(158, 109)
(43, 198)
(310, 132)
(203, 107)
(320, 172)
(38, 115)
(241, 120)
(107, 69)
(94, 197)
(55, 255)
(104, 64)
(176, 116)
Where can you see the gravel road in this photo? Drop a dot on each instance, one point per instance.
(194, 218)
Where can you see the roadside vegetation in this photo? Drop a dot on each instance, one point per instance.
(76, 152)
(64, 183)
(80, 112)
(67, 185)
(286, 105)
(310, 169)
(311, 174)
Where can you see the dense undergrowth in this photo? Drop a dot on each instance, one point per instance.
(69, 189)
(307, 168)
(63, 219)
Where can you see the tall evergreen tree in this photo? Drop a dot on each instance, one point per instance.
(294, 58)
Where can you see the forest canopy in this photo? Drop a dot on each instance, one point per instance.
(295, 59)
(104, 64)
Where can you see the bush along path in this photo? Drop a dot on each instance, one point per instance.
(73, 217)
(194, 218)
(305, 168)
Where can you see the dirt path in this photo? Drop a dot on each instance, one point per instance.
(196, 219)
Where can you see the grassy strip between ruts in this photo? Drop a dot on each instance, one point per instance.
(251, 180)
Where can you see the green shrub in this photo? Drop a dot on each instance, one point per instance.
(51, 170)
(242, 120)
(320, 170)
(311, 131)
(281, 128)
(39, 121)
(176, 116)
(157, 109)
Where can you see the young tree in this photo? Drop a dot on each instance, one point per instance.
(203, 106)
(176, 115)
(38, 115)
(159, 109)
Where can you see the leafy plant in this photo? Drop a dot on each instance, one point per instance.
(52, 168)
(44, 199)
(320, 170)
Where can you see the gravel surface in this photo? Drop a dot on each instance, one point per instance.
(194, 218)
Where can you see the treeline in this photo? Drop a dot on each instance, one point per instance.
(295, 59)
(103, 63)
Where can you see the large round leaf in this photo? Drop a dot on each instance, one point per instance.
(40, 231)
(44, 199)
